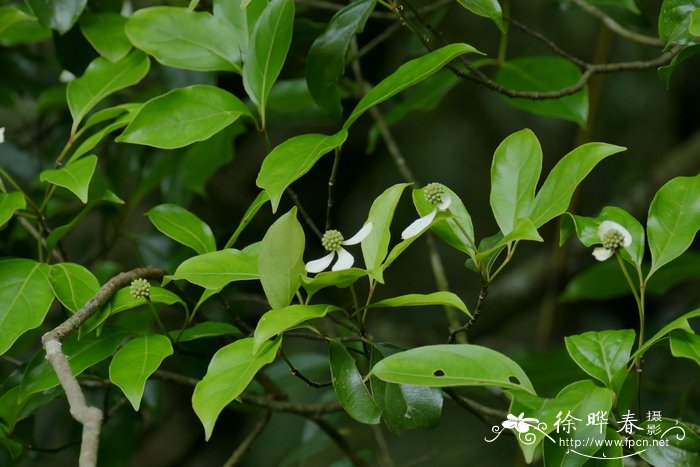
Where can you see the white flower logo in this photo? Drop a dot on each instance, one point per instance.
(519, 423)
(435, 194)
(613, 237)
(333, 241)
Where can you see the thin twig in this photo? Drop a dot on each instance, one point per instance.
(484, 413)
(615, 27)
(547, 41)
(243, 448)
(340, 440)
(300, 375)
(331, 185)
(309, 221)
(483, 292)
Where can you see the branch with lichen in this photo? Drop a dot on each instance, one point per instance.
(89, 417)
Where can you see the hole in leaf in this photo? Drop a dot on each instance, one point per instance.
(514, 380)
(438, 373)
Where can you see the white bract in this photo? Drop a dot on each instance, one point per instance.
(2, 135)
(434, 194)
(613, 237)
(333, 242)
(519, 423)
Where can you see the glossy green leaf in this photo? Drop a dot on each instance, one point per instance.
(326, 58)
(248, 216)
(678, 323)
(105, 32)
(524, 229)
(487, 8)
(9, 204)
(102, 78)
(25, 298)
(215, 270)
(408, 74)
(183, 116)
(96, 138)
(376, 245)
(603, 354)
(13, 410)
(281, 260)
(230, 371)
(675, 20)
(515, 169)
(685, 344)
(452, 365)
(341, 279)
(681, 446)
(435, 298)
(457, 230)
(673, 221)
(193, 40)
(81, 353)
(349, 387)
(555, 194)
(275, 322)
(205, 330)
(267, 52)
(75, 176)
(184, 227)
(544, 74)
(666, 71)
(240, 16)
(58, 15)
(135, 362)
(694, 26)
(73, 284)
(292, 159)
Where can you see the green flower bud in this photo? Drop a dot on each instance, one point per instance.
(332, 240)
(140, 288)
(613, 239)
(434, 193)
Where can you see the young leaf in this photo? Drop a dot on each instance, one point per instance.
(57, 15)
(487, 8)
(376, 244)
(349, 387)
(230, 371)
(524, 229)
(326, 60)
(281, 260)
(9, 203)
(240, 17)
(275, 322)
(674, 219)
(516, 167)
(193, 40)
(452, 365)
(556, 192)
(105, 32)
(183, 227)
(25, 298)
(292, 159)
(135, 362)
(408, 74)
(102, 78)
(267, 52)
(75, 176)
(435, 298)
(73, 285)
(183, 116)
(685, 344)
(216, 269)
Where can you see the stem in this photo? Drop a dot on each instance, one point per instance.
(331, 184)
(243, 448)
(442, 284)
(503, 44)
(629, 281)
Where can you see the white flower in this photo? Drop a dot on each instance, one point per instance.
(520, 424)
(2, 135)
(613, 237)
(333, 241)
(66, 76)
(435, 194)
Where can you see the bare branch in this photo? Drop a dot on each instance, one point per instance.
(616, 27)
(243, 448)
(482, 412)
(340, 440)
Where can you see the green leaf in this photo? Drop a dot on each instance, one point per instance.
(101, 79)
(603, 355)
(675, 20)
(666, 71)
(326, 59)
(73, 285)
(13, 410)
(205, 330)
(9, 204)
(215, 270)
(545, 74)
(680, 444)
(403, 245)
(678, 323)
(58, 15)
(275, 322)
(516, 167)
(267, 52)
(25, 298)
(524, 229)
(17, 26)
(248, 216)
(105, 32)
(435, 298)
(75, 176)
(685, 344)
(81, 353)
(694, 26)
(555, 194)
(292, 159)
(452, 365)
(349, 387)
(240, 17)
(230, 371)
(96, 138)
(376, 245)
(339, 279)
(182, 226)
(487, 8)
(281, 260)
(183, 116)
(193, 40)
(135, 362)
(673, 221)
(407, 75)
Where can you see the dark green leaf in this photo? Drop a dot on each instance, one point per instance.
(240, 16)
(685, 344)
(349, 387)
(681, 447)
(603, 354)
(675, 20)
(58, 15)
(105, 32)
